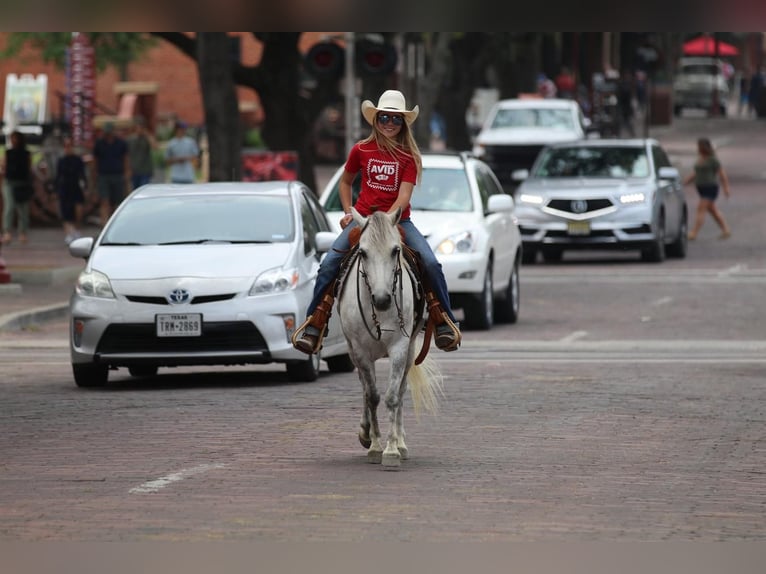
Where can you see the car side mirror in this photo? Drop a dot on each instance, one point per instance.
(668, 173)
(81, 247)
(500, 202)
(519, 174)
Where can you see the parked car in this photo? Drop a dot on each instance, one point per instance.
(697, 82)
(461, 209)
(517, 129)
(201, 274)
(599, 194)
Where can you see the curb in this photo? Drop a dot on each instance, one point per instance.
(46, 276)
(23, 319)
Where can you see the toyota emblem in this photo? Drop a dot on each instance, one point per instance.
(179, 296)
(579, 206)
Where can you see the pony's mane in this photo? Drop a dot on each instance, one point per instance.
(379, 230)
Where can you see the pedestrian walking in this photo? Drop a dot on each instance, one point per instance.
(181, 154)
(110, 155)
(625, 92)
(70, 182)
(707, 174)
(18, 188)
(390, 165)
(140, 146)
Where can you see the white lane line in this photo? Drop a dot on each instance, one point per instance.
(574, 336)
(662, 301)
(163, 481)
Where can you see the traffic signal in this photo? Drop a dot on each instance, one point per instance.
(375, 58)
(325, 60)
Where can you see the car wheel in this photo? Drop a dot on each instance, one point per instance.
(552, 254)
(655, 253)
(679, 247)
(305, 371)
(507, 310)
(143, 370)
(90, 375)
(528, 255)
(479, 312)
(340, 364)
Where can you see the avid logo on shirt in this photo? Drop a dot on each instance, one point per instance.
(383, 175)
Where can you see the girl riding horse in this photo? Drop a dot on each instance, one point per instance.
(390, 165)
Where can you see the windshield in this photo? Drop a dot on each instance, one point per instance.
(703, 69)
(440, 189)
(199, 219)
(533, 118)
(612, 162)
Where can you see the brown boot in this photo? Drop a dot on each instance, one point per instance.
(308, 337)
(447, 336)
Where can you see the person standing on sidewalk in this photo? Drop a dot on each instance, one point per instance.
(17, 169)
(70, 182)
(707, 173)
(110, 154)
(181, 155)
(140, 146)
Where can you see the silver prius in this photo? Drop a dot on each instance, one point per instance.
(201, 274)
(602, 194)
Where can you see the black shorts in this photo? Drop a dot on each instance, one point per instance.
(708, 192)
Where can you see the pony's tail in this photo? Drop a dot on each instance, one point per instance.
(426, 386)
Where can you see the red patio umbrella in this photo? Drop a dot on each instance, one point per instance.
(705, 46)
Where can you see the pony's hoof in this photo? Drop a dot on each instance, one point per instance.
(404, 452)
(392, 460)
(374, 456)
(365, 441)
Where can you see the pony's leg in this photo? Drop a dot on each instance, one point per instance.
(400, 434)
(394, 399)
(369, 429)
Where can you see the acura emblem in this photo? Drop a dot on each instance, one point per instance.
(579, 206)
(179, 296)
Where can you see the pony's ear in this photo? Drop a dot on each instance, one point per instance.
(395, 216)
(358, 217)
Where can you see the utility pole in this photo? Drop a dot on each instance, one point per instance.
(352, 99)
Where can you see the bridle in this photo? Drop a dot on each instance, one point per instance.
(397, 288)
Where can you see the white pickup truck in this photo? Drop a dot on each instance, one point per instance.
(700, 82)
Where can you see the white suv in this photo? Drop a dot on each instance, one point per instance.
(517, 129)
(698, 81)
(461, 209)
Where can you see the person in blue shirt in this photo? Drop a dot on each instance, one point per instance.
(181, 155)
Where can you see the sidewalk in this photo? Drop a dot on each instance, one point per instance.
(43, 272)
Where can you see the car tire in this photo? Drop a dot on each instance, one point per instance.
(528, 255)
(655, 253)
(304, 371)
(679, 247)
(340, 364)
(90, 375)
(143, 370)
(479, 312)
(507, 310)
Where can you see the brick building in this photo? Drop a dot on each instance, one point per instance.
(176, 75)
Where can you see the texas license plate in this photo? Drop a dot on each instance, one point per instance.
(578, 228)
(179, 325)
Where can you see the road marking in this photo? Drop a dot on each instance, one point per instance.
(662, 301)
(574, 336)
(163, 481)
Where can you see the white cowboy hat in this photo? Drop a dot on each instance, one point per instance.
(389, 101)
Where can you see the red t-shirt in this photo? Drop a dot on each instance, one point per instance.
(382, 175)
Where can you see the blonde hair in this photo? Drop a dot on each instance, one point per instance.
(403, 144)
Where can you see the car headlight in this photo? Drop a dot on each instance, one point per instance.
(94, 284)
(463, 242)
(275, 281)
(531, 199)
(632, 198)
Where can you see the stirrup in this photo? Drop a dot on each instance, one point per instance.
(448, 342)
(298, 338)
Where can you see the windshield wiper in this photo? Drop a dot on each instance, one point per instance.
(200, 241)
(120, 243)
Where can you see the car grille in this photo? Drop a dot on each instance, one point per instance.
(216, 336)
(152, 300)
(505, 159)
(591, 205)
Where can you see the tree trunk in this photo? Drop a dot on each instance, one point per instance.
(219, 98)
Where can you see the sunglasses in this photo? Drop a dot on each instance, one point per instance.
(383, 119)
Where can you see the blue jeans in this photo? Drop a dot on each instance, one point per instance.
(330, 266)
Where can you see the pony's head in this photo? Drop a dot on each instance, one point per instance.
(380, 250)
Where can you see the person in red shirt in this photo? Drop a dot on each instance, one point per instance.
(390, 164)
